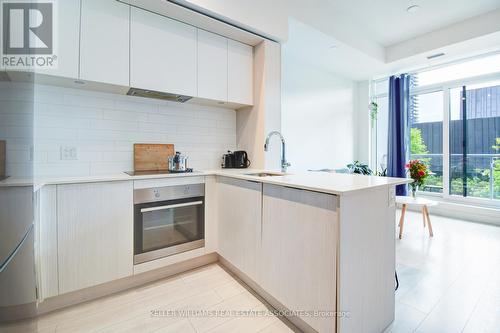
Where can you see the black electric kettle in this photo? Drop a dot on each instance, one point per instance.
(241, 159)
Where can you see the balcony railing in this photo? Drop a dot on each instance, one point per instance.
(483, 174)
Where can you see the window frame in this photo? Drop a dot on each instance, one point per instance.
(431, 90)
(445, 87)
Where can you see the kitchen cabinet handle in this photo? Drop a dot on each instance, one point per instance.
(152, 209)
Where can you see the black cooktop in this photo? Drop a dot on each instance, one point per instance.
(157, 172)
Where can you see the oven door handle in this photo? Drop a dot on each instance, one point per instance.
(152, 209)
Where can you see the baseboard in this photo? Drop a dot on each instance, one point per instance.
(463, 212)
(17, 312)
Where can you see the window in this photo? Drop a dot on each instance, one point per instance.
(474, 130)
(426, 135)
(454, 127)
(380, 126)
(382, 132)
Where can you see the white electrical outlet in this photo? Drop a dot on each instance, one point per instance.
(69, 153)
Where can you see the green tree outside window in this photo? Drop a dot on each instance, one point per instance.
(417, 144)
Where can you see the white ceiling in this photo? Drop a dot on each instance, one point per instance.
(372, 37)
(405, 39)
(314, 48)
(387, 22)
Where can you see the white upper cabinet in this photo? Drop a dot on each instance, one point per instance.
(212, 66)
(162, 54)
(104, 42)
(66, 40)
(110, 42)
(240, 72)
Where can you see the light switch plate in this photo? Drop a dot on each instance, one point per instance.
(69, 153)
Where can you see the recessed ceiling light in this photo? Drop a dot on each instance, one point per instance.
(413, 8)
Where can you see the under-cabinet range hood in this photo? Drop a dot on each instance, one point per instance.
(158, 95)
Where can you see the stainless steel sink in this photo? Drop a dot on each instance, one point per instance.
(266, 174)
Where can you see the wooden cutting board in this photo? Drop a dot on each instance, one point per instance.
(152, 156)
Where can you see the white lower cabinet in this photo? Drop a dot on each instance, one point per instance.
(285, 240)
(94, 233)
(211, 224)
(239, 217)
(297, 260)
(47, 243)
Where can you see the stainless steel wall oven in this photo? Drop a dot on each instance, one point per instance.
(168, 220)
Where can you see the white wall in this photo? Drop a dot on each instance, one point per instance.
(362, 122)
(317, 116)
(103, 127)
(255, 122)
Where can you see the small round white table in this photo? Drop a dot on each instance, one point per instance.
(421, 203)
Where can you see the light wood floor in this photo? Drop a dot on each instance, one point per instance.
(208, 288)
(448, 284)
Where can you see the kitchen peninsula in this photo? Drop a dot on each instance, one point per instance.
(316, 243)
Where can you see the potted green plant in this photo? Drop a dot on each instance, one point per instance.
(373, 107)
(418, 172)
(359, 168)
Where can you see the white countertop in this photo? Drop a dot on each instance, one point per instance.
(41, 181)
(333, 183)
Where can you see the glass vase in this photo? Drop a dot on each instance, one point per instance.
(413, 190)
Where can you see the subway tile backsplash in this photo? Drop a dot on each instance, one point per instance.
(103, 128)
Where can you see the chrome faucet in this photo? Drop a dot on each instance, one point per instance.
(284, 163)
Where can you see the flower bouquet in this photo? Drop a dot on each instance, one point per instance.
(418, 172)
